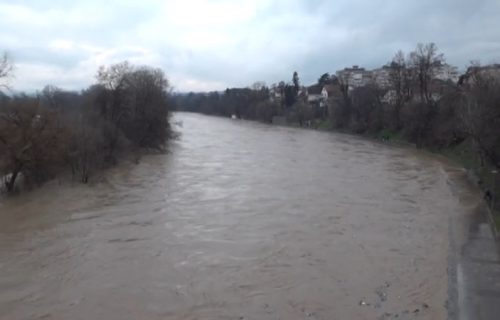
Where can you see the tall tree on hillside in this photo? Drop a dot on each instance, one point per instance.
(425, 61)
(400, 77)
(50, 97)
(281, 89)
(480, 113)
(290, 95)
(258, 85)
(342, 108)
(296, 82)
(324, 79)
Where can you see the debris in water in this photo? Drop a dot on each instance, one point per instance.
(363, 303)
(382, 295)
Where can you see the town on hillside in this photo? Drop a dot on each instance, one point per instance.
(329, 85)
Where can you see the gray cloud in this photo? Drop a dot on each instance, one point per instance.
(210, 45)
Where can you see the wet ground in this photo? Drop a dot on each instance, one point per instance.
(247, 221)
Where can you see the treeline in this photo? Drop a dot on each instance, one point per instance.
(57, 131)
(256, 102)
(249, 103)
(424, 110)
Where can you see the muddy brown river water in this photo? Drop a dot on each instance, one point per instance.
(241, 220)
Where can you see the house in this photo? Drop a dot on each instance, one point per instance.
(316, 95)
(319, 98)
(319, 94)
(276, 93)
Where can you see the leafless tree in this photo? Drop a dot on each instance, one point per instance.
(341, 107)
(6, 69)
(401, 79)
(31, 142)
(480, 114)
(50, 97)
(84, 150)
(258, 85)
(135, 101)
(366, 109)
(147, 123)
(425, 61)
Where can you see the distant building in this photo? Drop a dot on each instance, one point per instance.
(354, 77)
(358, 77)
(446, 72)
(382, 77)
(492, 71)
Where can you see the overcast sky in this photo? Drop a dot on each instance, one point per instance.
(214, 44)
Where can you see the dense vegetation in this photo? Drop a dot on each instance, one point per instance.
(57, 131)
(461, 118)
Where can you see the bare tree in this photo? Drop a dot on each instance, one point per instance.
(341, 108)
(401, 79)
(84, 150)
(113, 77)
(480, 114)
(6, 69)
(147, 124)
(135, 101)
(425, 61)
(31, 142)
(366, 109)
(258, 85)
(50, 97)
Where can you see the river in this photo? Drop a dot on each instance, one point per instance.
(242, 220)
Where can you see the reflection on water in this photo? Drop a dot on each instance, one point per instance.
(239, 221)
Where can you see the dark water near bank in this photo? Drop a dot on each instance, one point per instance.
(241, 221)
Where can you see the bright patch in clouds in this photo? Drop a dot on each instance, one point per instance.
(210, 45)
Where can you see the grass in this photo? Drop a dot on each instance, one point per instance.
(496, 219)
(390, 135)
(325, 125)
(465, 155)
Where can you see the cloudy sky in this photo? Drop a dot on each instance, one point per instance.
(214, 44)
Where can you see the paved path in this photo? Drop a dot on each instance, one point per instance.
(478, 273)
